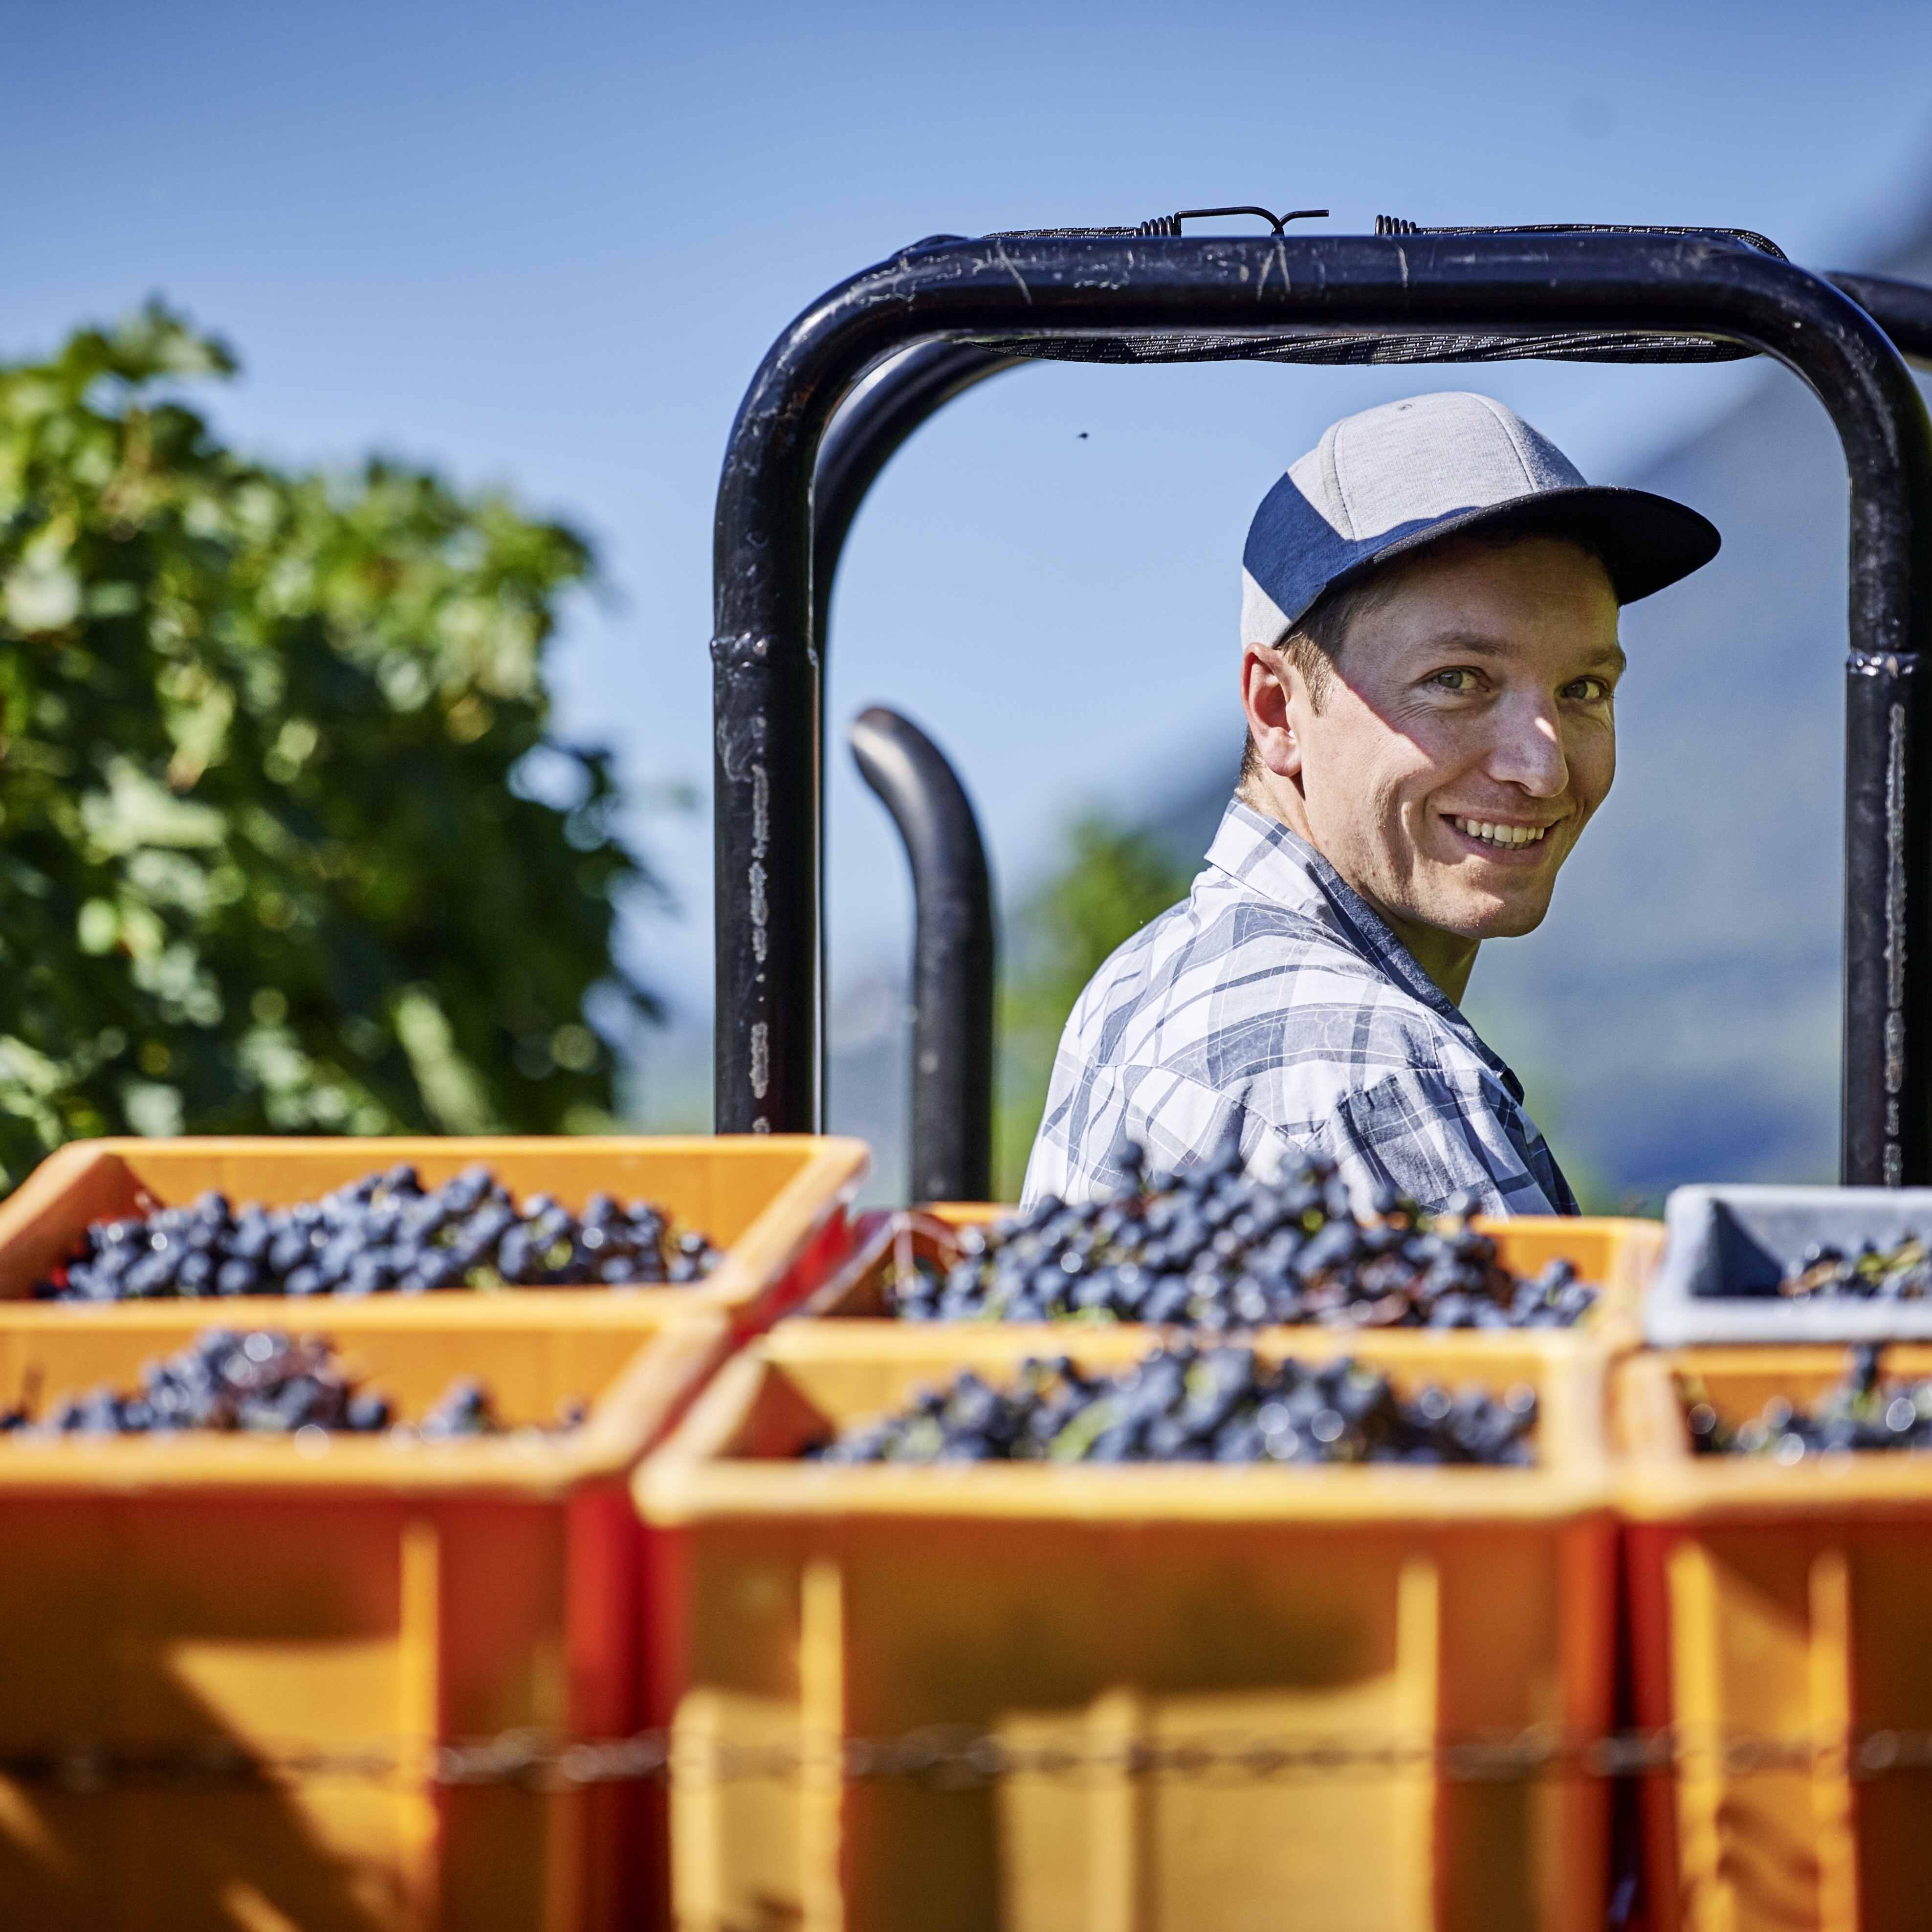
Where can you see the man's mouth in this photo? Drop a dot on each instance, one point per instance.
(1504, 838)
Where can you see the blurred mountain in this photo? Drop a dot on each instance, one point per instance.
(1677, 1017)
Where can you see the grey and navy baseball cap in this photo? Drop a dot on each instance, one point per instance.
(1393, 479)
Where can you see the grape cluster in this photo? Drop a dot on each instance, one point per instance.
(1180, 1405)
(1901, 1273)
(384, 1234)
(1861, 1412)
(266, 1382)
(1219, 1249)
(465, 1409)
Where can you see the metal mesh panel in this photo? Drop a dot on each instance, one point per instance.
(1393, 224)
(1565, 345)
(1062, 234)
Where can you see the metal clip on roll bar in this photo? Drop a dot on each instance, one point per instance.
(897, 341)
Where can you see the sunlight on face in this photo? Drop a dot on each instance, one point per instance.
(1467, 735)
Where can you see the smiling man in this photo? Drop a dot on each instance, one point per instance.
(1429, 668)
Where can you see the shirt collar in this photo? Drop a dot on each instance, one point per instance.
(1264, 855)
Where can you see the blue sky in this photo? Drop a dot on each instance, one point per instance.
(548, 245)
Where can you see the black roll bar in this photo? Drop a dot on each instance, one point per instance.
(952, 1135)
(1904, 310)
(1411, 297)
(884, 407)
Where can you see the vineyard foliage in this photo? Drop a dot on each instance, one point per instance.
(268, 858)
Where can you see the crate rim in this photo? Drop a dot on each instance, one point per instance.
(824, 1185)
(690, 1479)
(644, 1399)
(1659, 1479)
(1612, 1324)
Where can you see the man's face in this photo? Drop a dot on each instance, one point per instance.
(1465, 737)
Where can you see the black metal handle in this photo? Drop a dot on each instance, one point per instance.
(1027, 296)
(952, 1133)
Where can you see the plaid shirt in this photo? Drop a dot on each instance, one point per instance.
(1275, 1005)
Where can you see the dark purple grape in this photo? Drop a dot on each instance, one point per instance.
(1180, 1404)
(380, 1234)
(1222, 1250)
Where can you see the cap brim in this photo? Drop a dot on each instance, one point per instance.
(1646, 542)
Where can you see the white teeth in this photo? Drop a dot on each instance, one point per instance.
(1492, 834)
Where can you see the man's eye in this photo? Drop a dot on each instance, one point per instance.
(1587, 690)
(1462, 680)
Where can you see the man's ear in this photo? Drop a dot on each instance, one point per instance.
(1272, 696)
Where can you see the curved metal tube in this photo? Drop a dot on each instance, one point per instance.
(1904, 310)
(892, 401)
(767, 671)
(884, 406)
(952, 956)
(883, 409)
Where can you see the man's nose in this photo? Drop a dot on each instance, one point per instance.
(1528, 751)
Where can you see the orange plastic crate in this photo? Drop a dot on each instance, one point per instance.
(1088, 1611)
(350, 1612)
(1781, 1623)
